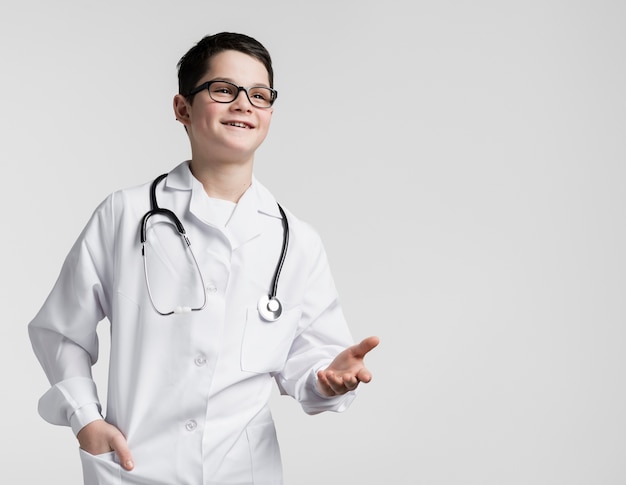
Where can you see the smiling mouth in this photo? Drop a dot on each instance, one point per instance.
(238, 125)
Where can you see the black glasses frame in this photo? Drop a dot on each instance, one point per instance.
(207, 85)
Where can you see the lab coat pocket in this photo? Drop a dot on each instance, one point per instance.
(265, 453)
(266, 345)
(100, 469)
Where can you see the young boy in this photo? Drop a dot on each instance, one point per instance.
(198, 332)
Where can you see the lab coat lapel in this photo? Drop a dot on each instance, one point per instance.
(247, 220)
(181, 178)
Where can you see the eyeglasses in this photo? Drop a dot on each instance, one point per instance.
(226, 92)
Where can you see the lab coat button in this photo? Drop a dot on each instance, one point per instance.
(200, 360)
(211, 288)
(191, 425)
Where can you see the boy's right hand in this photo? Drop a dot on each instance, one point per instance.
(101, 437)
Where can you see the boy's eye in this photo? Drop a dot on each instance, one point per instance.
(261, 93)
(222, 88)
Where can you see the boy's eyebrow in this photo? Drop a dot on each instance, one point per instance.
(231, 80)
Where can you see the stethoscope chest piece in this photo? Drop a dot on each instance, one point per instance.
(270, 309)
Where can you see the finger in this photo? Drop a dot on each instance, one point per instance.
(119, 445)
(350, 382)
(365, 345)
(364, 375)
(336, 383)
(332, 384)
(324, 385)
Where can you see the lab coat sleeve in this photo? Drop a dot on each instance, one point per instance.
(323, 333)
(63, 333)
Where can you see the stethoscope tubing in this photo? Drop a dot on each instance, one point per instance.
(283, 253)
(269, 306)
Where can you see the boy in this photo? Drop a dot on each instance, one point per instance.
(193, 347)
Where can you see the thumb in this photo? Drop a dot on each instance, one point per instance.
(365, 345)
(120, 446)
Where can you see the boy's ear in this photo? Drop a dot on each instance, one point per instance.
(181, 109)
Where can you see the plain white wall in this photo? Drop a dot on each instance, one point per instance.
(464, 166)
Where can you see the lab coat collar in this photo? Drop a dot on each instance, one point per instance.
(180, 177)
(246, 222)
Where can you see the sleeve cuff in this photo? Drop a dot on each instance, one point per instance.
(83, 416)
(73, 402)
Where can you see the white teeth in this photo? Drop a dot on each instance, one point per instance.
(239, 125)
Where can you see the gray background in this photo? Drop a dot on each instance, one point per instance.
(464, 165)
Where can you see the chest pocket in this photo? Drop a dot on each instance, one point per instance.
(266, 345)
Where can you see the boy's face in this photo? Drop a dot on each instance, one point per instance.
(226, 131)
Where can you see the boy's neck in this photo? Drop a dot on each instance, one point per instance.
(223, 181)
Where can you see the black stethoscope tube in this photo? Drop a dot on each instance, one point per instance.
(283, 253)
(269, 306)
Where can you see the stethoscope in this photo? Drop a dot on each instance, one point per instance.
(269, 306)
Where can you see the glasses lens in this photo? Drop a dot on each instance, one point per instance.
(261, 97)
(172, 275)
(223, 92)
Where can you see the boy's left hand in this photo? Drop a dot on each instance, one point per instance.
(347, 370)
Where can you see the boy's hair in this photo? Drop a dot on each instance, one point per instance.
(195, 63)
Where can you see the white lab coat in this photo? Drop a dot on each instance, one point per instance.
(190, 391)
